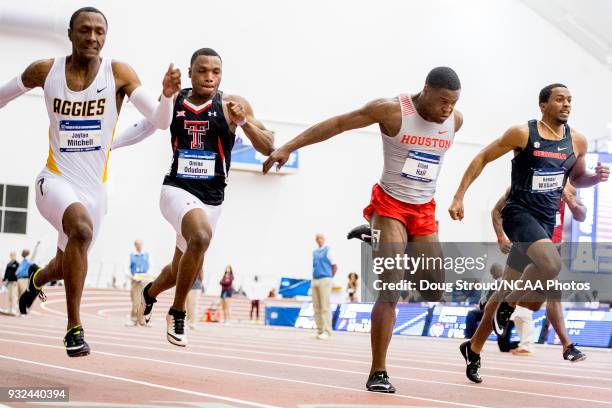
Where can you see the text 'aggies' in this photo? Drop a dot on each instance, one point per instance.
(87, 108)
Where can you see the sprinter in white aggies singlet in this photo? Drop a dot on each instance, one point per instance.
(83, 94)
(416, 132)
(81, 128)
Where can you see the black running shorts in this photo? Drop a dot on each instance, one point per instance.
(523, 229)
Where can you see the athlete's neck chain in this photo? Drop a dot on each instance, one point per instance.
(553, 131)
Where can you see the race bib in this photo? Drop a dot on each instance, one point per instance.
(421, 166)
(544, 181)
(80, 135)
(196, 164)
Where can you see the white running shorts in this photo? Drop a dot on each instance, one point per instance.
(175, 202)
(54, 194)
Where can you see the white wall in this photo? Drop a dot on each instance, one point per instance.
(298, 63)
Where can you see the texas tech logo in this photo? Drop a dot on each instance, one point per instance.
(197, 130)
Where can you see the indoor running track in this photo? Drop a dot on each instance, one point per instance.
(243, 365)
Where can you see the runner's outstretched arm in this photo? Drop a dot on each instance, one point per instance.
(514, 138)
(373, 112)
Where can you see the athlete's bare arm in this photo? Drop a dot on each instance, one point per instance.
(34, 76)
(238, 110)
(579, 176)
(515, 138)
(126, 79)
(381, 111)
(577, 207)
(496, 218)
(159, 113)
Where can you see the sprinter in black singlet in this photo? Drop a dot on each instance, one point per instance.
(203, 133)
(547, 153)
(202, 144)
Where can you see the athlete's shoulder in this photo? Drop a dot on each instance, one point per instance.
(234, 98)
(42, 65)
(385, 103)
(579, 140)
(122, 69)
(458, 120)
(383, 107)
(577, 135)
(516, 136)
(521, 130)
(36, 73)
(126, 78)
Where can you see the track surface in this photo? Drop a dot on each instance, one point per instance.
(243, 365)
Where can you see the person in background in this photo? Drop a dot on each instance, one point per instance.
(226, 291)
(193, 298)
(139, 278)
(22, 272)
(255, 292)
(323, 271)
(352, 288)
(10, 281)
(272, 294)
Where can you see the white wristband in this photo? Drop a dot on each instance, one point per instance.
(242, 122)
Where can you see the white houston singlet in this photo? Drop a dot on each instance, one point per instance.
(413, 157)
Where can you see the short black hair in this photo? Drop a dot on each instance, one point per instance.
(443, 77)
(547, 91)
(86, 10)
(204, 51)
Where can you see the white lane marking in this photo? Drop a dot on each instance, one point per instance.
(145, 383)
(91, 404)
(141, 347)
(214, 343)
(124, 356)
